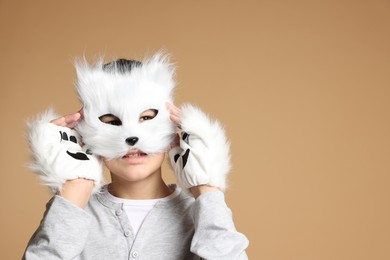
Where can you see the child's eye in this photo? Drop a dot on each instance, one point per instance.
(143, 118)
(114, 122)
(110, 119)
(148, 115)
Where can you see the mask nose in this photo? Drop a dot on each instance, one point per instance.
(131, 140)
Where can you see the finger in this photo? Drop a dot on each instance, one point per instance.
(175, 119)
(173, 109)
(58, 121)
(68, 120)
(81, 111)
(175, 114)
(72, 125)
(72, 119)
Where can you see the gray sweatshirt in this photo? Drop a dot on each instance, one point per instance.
(180, 228)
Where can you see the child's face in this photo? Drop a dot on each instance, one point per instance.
(126, 110)
(134, 166)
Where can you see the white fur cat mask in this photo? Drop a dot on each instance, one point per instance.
(125, 89)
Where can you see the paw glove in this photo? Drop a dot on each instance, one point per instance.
(58, 156)
(203, 156)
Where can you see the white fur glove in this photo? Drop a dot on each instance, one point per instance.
(203, 156)
(57, 154)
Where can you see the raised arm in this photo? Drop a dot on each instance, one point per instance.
(201, 160)
(71, 174)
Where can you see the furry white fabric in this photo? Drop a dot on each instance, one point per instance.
(58, 156)
(202, 158)
(204, 153)
(126, 96)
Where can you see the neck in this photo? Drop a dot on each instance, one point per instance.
(152, 187)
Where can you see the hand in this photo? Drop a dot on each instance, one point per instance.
(58, 153)
(175, 114)
(69, 121)
(77, 191)
(202, 160)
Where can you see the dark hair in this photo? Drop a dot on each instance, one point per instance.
(121, 66)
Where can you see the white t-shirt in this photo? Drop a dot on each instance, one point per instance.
(137, 210)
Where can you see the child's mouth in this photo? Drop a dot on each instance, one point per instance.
(134, 154)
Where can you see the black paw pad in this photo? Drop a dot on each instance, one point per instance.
(185, 157)
(64, 136)
(78, 156)
(73, 139)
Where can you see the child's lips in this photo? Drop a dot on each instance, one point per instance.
(134, 156)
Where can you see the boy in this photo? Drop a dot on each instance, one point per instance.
(136, 216)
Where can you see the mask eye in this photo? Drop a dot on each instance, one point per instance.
(110, 119)
(148, 115)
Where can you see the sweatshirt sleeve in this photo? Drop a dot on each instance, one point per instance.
(215, 234)
(62, 233)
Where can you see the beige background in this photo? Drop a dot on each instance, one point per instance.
(302, 87)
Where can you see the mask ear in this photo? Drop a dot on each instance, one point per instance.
(86, 74)
(160, 70)
(157, 69)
